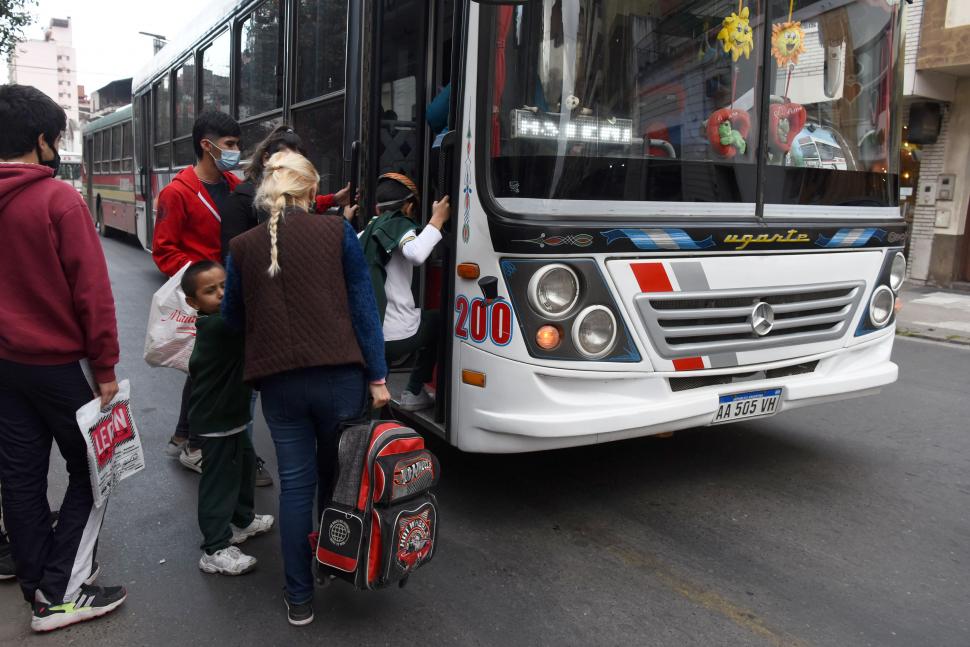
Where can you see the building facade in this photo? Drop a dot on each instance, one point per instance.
(935, 160)
(50, 65)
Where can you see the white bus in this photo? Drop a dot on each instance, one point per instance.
(639, 243)
(70, 169)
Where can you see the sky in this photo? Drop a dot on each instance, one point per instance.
(106, 33)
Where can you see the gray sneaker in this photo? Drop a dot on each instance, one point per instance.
(191, 459)
(411, 402)
(175, 446)
(263, 477)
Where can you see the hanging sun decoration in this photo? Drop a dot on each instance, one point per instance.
(735, 35)
(787, 42)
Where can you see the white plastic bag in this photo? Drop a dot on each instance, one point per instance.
(113, 442)
(170, 337)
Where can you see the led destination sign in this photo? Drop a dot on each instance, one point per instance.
(529, 125)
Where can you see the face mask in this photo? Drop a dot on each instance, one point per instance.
(54, 164)
(228, 161)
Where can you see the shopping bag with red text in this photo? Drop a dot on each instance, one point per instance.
(170, 337)
(113, 442)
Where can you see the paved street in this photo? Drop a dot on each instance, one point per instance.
(931, 313)
(842, 525)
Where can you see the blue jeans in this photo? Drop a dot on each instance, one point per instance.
(303, 409)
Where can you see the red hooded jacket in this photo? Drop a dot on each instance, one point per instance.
(56, 305)
(187, 227)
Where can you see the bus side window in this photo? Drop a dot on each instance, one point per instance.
(216, 73)
(260, 60)
(321, 58)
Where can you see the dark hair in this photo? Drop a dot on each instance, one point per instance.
(281, 137)
(25, 113)
(191, 276)
(212, 123)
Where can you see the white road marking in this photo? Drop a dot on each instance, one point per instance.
(945, 300)
(962, 326)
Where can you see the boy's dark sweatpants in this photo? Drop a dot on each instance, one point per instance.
(182, 426)
(227, 488)
(37, 408)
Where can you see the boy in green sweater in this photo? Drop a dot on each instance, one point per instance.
(218, 414)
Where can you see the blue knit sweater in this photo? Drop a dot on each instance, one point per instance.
(360, 299)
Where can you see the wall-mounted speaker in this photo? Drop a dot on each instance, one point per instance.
(925, 120)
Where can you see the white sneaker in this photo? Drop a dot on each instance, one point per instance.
(191, 459)
(228, 561)
(411, 402)
(261, 523)
(174, 449)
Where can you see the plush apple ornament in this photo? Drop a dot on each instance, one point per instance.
(785, 121)
(727, 130)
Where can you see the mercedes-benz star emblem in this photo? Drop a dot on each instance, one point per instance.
(762, 319)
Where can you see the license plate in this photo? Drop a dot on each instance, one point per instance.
(741, 406)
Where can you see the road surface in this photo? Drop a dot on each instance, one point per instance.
(839, 525)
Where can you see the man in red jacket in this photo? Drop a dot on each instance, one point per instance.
(189, 229)
(57, 327)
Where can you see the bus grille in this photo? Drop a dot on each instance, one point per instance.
(688, 324)
(688, 383)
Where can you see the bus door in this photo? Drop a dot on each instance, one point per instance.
(87, 174)
(141, 131)
(411, 66)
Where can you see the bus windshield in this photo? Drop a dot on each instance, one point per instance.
(659, 101)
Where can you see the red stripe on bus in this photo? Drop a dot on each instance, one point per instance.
(689, 364)
(652, 277)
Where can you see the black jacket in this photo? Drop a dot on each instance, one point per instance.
(241, 215)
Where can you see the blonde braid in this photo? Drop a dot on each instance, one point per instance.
(274, 223)
(289, 179)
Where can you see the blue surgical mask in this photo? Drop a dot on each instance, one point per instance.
(228, 161)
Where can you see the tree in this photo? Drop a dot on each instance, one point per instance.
(14, 16)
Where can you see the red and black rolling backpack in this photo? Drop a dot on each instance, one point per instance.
(382, 523)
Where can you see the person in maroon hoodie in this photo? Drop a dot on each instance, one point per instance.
(57, 329)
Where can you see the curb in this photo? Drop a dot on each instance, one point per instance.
(916, 334)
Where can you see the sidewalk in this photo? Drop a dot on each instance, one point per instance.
(932, 313)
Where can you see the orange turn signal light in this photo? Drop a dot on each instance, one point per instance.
(469, 271)
(473, 378)
(548, 337)
(899, 305)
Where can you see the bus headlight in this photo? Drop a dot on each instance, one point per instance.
(881, 306)
(554, 290)
(594, 332)
(897, 274)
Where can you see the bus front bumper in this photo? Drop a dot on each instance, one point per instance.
(528, 408)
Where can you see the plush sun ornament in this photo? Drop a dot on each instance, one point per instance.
(787, 42)
(735, 35)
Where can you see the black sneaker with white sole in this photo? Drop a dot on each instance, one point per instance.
(90, 602)
(299, 614)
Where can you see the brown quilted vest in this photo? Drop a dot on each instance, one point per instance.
(299, 318)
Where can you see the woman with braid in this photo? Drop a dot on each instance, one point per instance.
(299, 288)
